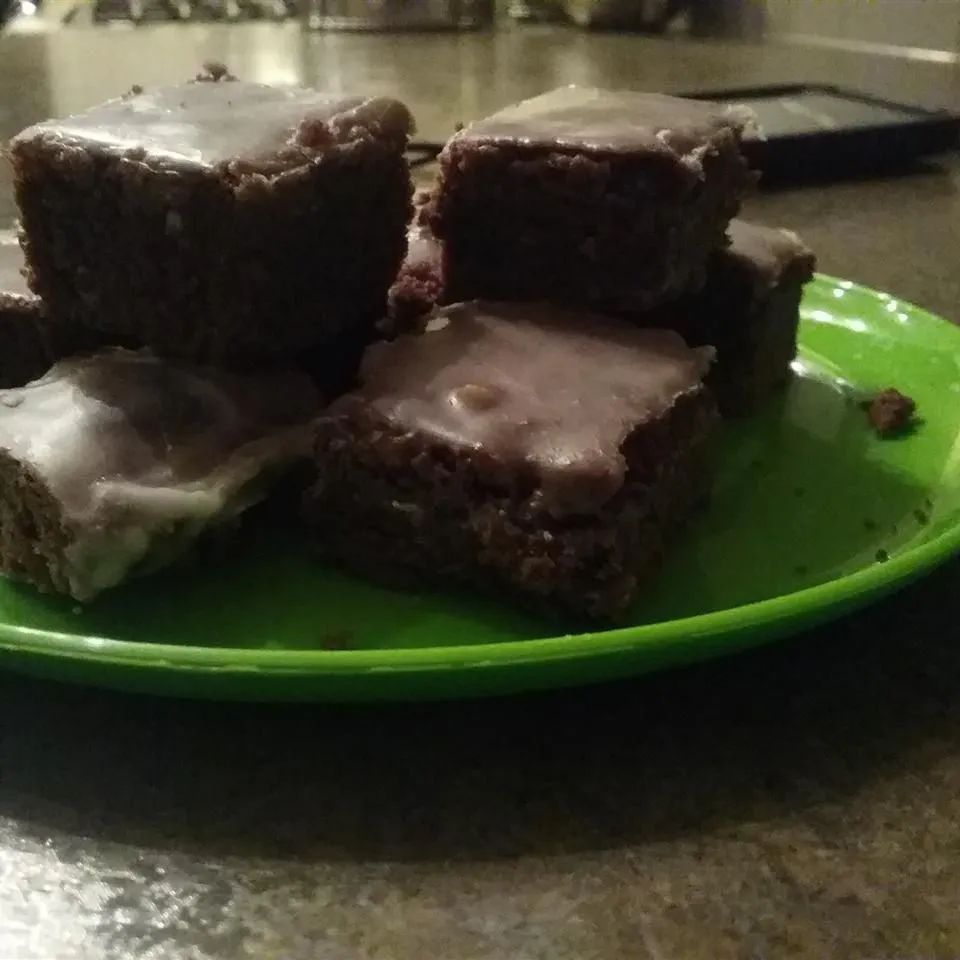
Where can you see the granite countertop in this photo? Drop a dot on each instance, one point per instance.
(799, 801)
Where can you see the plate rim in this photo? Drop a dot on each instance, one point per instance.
(864, 582)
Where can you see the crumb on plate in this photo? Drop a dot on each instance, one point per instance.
(890, 412)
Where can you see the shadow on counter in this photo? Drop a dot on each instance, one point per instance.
(754, 738)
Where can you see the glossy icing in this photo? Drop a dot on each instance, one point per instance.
(142, 455)
(208, 124)
(534, 387)
(591, 120)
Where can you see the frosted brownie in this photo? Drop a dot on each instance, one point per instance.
(112, 464)
(218, 220)
(749, 310)
(520, 448)
(30, 339)
(609, 198)
(418, 287)
(23, 348)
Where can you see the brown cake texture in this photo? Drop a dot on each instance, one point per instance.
(418, 287)
(221, 221)
(611, 199)
(30, 338)
(748, 307)
(23, 348)
(749, 310)
(112, 464)
(519, 448)
(891, 412)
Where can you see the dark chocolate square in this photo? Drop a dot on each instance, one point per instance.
(113, 464)
(611, 199)
(525, 448)
(749, 310)
(24, 352)
(31, 339)
(225, 221)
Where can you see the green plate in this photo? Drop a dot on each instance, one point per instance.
(812, 515)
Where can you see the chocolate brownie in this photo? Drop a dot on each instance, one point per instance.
(418, 287)
(749, 307)
(23, 348)
(112, 464)
(749, 310)
(524, 448)
(223, 221)
(607, 198)
(30, 339)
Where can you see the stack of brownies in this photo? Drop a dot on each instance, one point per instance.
(207, 264)
(542, 428)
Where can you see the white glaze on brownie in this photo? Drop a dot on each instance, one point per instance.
(142, 455)
(590, 120)
(535, 387)
(209, 124)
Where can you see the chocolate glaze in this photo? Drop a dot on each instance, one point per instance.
(768, 251)
(136, 451)
(586, 119)
(12, 281)
(205, 125)
(532, 389)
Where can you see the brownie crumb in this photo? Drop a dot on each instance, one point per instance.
(891, 412)
(759, 280)
(882, 556)
(313, 134)
(213, 72)
(338, 640)
(135, 90)
(923, 518)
